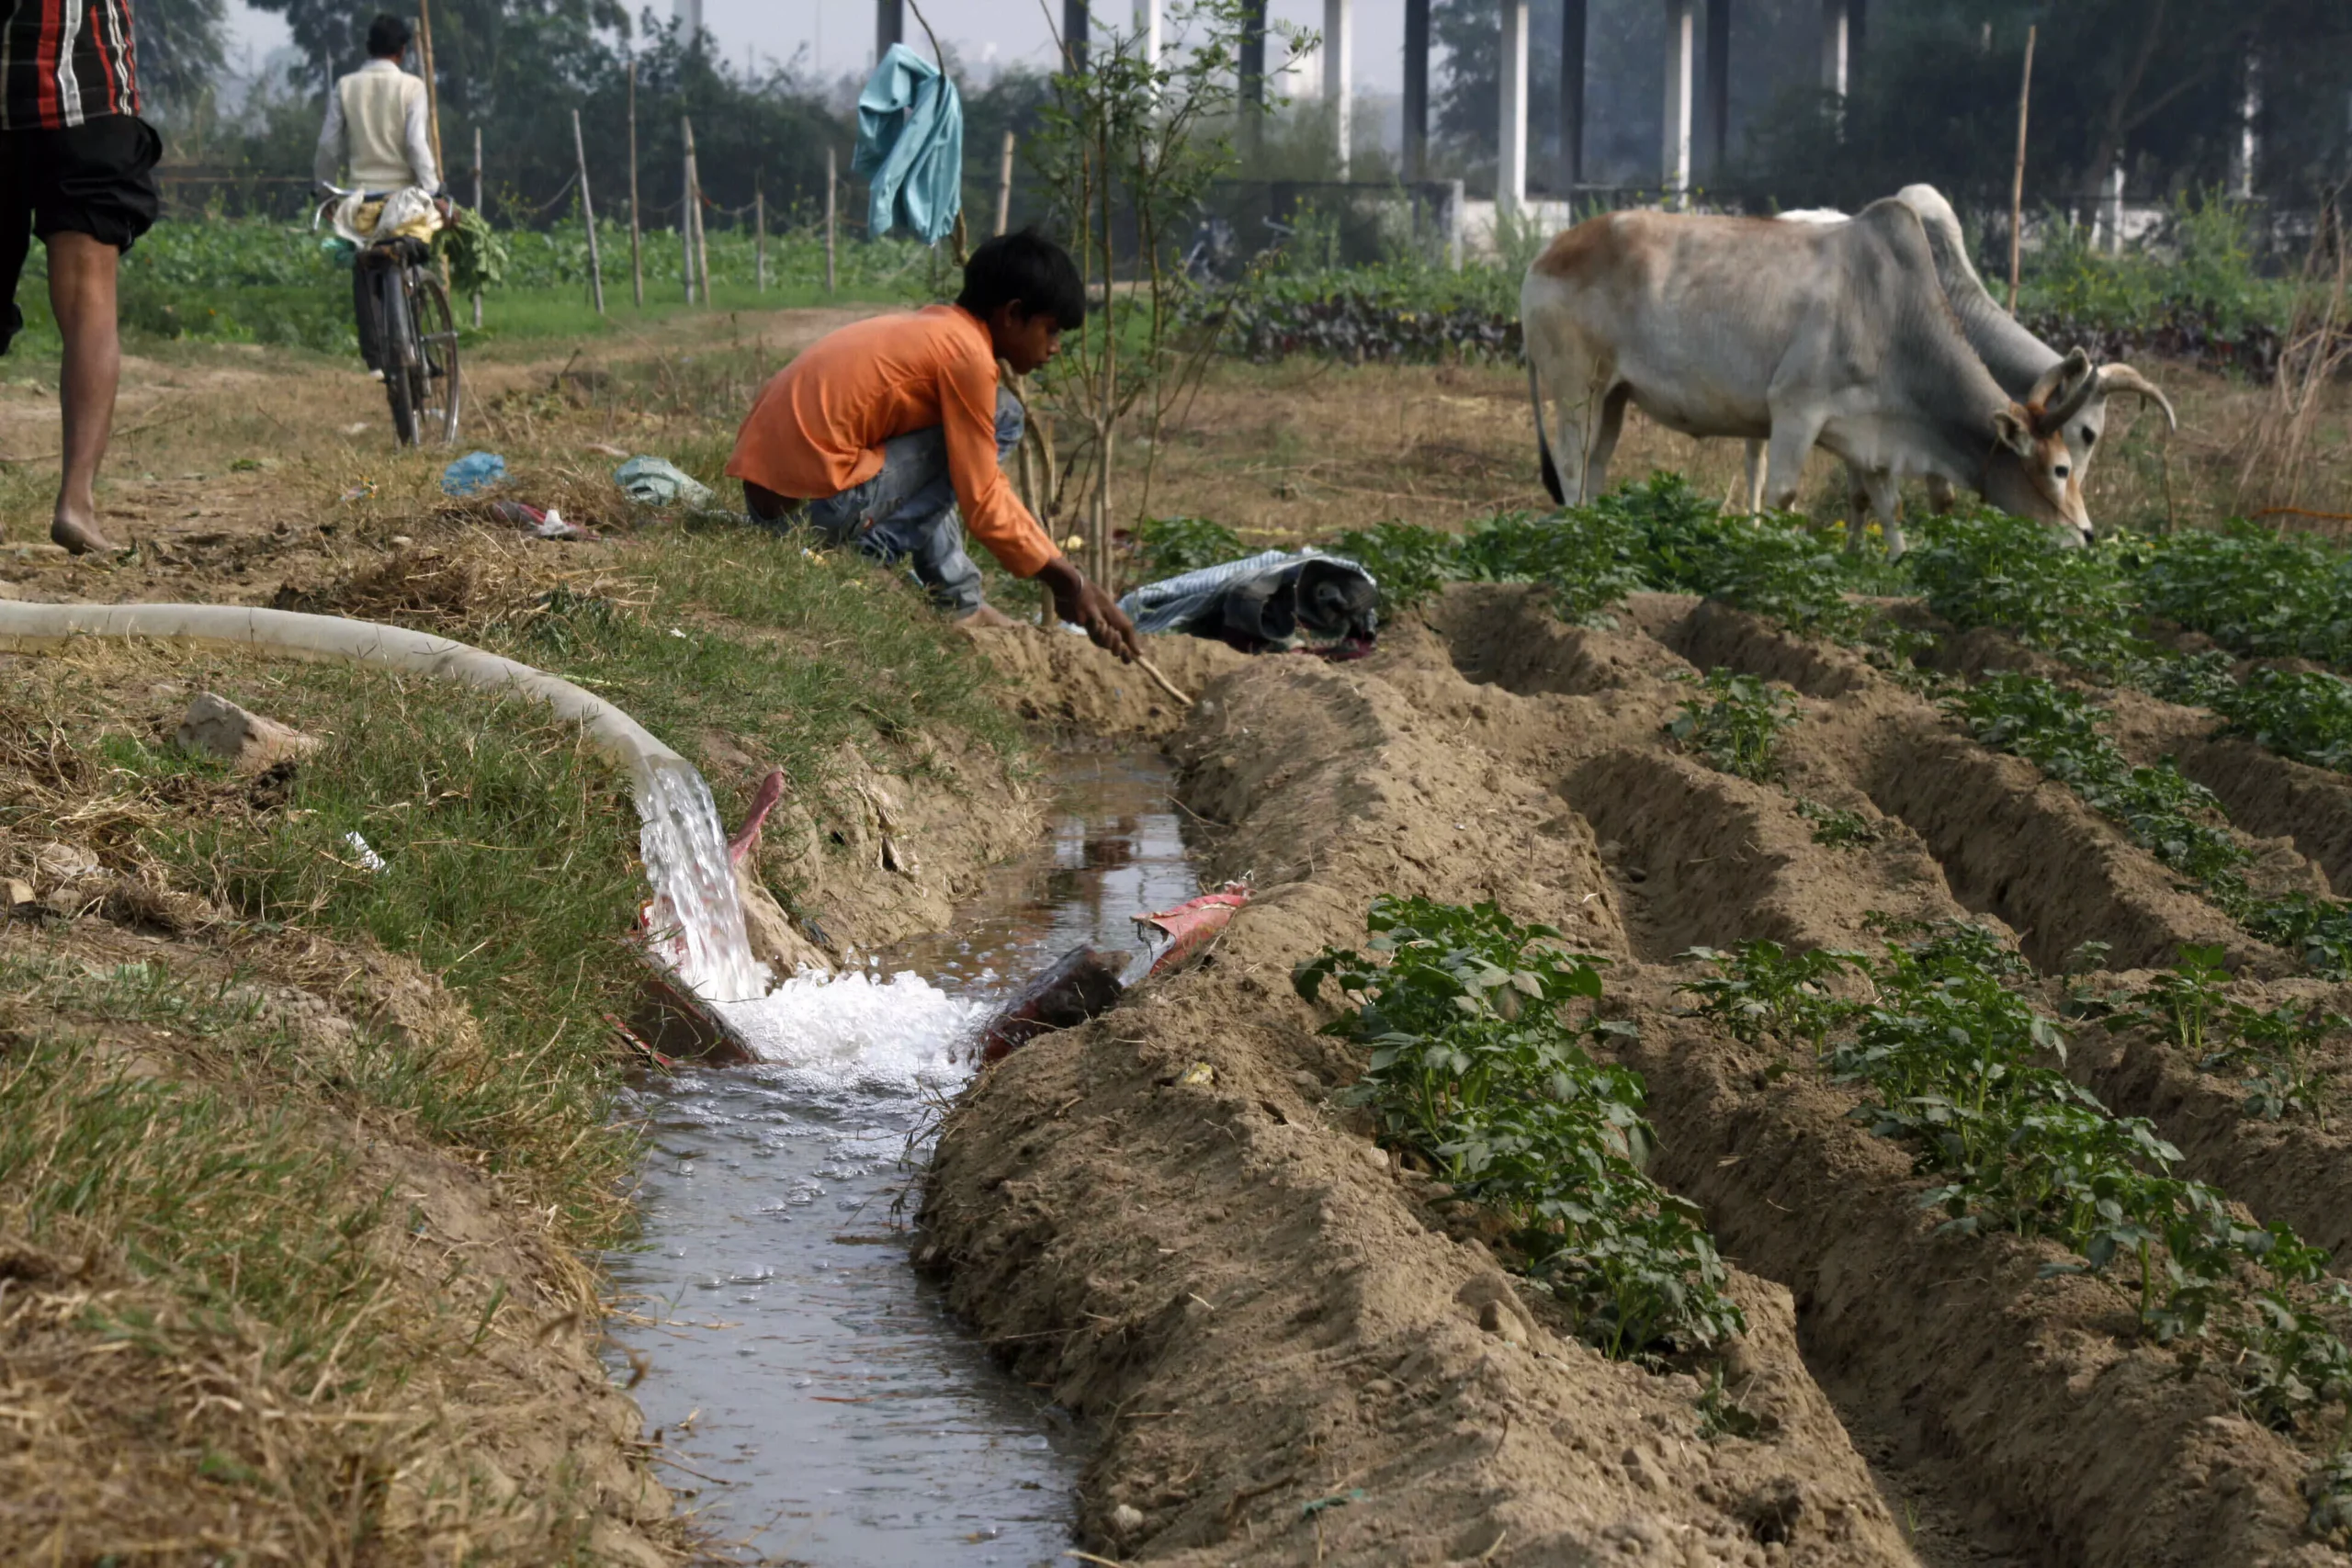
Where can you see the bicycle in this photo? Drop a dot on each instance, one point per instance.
(417, 340)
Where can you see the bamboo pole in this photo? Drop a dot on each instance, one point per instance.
(701, 234)
(686, 205)
(478, 213)
(831, 180)
(2016, 184)
(1004, 186)
(759, 234)
(636, 237)
(432, 83)
(588, 214)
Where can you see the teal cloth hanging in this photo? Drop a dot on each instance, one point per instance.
(910, 147)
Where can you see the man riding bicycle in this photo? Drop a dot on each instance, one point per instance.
(378, 111)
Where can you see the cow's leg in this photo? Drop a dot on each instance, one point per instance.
(1857, 498)
(1754, 477)
(1880, 494)
(1794, 430)
(1607, 427)
(1941, 497)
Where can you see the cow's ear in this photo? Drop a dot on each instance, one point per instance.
(2014, 429)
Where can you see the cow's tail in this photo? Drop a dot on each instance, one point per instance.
(1543, 442)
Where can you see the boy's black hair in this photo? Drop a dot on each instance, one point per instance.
(1025, 269)
(389, 35)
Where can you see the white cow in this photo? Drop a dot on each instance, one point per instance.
(1790, 334)
(2019, 360)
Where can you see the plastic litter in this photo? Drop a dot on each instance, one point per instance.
(360, 491)
(473, 473)
(657, 481)
(1084, 983)
(1191, 926)
(367, 857)
(1273, 602)
(547, 524)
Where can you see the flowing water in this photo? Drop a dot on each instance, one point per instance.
(837, 1415)
(697, 916)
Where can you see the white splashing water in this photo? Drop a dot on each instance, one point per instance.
(894, 1037)
(696, 920)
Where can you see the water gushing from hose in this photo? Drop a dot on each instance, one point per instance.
(697, 913)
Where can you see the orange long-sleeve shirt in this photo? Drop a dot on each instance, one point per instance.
(818, 426)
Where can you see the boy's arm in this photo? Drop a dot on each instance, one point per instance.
(967, 397)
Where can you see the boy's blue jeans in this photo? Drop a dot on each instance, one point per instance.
(907, 511)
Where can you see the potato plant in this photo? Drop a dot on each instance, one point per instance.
(1473, 1064)
(1959, 1064)
(1736, 724)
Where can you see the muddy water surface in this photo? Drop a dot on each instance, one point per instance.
(836, 1415)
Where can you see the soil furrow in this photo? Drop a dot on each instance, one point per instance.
(1259, 1310)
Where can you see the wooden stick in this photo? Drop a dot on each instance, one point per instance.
(2017, 185)
(588, 214)
(476, 213)
(686, 203)
(702, 235)
(833, 179)
(1004, 188)
(432, 85)
(635, 243)
(1165, 684)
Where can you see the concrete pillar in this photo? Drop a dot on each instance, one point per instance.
(890, 26)
(1836, 40)
(1719, 83)
(1575, 28)
(2246, 147)
(1454, 201)
(2113, 203)
(1074, 26)
(1674, 157)
(1417, 89)
(1339, 73)
(1511, 146)
(1147, 37)
(689, 14)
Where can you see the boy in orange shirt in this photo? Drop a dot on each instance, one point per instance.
(889, 434)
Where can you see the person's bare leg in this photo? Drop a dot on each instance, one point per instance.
(81, 292)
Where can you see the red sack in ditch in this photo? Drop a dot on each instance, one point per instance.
(1191, 926)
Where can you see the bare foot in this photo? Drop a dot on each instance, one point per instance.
(81, 538)
(986, 615)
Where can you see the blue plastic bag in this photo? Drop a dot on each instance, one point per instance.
(473, 473)
(657, 481)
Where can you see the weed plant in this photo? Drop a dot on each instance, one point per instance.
(1834, 828)
(1958, 1064)
(1474, 1065)
(1736, 724)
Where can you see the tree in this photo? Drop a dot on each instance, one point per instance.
(181, 51)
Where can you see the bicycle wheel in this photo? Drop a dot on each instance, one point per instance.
(436, 394)
(398, 349)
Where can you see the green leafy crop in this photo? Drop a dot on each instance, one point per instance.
(1473, 1064)
(1736, 724)
(1169, 546)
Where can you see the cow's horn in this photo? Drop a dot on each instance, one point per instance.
(2123, 378)
(2077, 383)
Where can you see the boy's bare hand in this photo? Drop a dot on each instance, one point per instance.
(1082, 604)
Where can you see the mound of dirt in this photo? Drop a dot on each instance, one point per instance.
(1062, 680)
(1292, 1356)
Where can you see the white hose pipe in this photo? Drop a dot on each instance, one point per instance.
(42, 628)
(682, 843)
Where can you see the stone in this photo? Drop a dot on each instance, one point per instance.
(1503, 1324)
(1376, 1157)
(217, 727)
(18, 891)
(1126, 1518)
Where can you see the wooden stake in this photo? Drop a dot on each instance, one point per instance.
(831, 180)
(686, 204)
(2017, 185)
(635, 240)
(476, 213)
(432, 83)
(1004, 186)
(701, 234)
(759, 234)
(588, 213)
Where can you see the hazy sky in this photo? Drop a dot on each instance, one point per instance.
(982, 29)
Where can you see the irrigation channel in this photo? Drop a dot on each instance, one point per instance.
(824, 1402)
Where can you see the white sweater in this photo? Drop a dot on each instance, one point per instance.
(380, 109)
